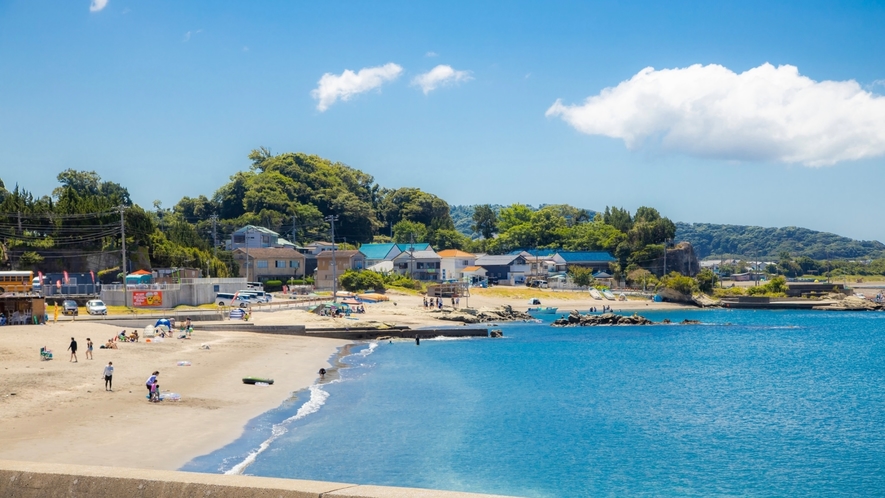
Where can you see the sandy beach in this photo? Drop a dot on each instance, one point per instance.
(59, 412)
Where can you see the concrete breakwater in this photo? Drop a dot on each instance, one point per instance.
(40, 480)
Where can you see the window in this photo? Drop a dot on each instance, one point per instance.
(239, 239)
(261, 263)
(420, 266)
(294, 264)
(465, 262)
(279, 264)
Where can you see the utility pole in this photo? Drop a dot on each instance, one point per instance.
(248, 229)
(294, 228)
(214, 219)
(123, 252)
(332, 219)
(412, 255)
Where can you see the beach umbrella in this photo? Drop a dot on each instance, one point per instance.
(164, 322)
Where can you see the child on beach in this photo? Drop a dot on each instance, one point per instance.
(108, 376)
(155, 392)
(151, 382)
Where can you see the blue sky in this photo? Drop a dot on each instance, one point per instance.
(168, 98)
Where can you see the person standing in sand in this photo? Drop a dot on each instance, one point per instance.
(73, 349)
(109, 376)
(89, 349)
(55, 313)
(151, 381)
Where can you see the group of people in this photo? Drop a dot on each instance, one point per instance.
(437, 302)
(605, 309)
(73, 349)
(152, 384)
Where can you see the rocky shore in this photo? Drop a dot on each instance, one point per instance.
(482, 315)
(575, 319)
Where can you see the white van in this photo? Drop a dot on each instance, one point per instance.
(258, 296)
(227, 299)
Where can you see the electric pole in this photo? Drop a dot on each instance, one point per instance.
(294, 228)
(123, 252)
(332, 219)
(214, 219)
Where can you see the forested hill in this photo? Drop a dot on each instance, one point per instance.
(749, 241)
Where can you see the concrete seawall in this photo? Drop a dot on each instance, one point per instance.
(40, 480)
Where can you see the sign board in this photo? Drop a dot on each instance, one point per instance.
(147, 298)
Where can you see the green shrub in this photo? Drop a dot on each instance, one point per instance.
(273, 286)
(355, 281)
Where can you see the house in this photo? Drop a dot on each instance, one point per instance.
(316, 248)
(255, 237)
(595, 260)
(274, 263)
(475, 275)
(343, 261)
(417, 246)
(421, 265)
(540, 262)
(453, 262)
(507, 269)
(376, 253)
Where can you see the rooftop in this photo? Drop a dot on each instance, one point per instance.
(454, 253)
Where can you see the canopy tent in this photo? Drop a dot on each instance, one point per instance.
(350, 301)
(139, 277)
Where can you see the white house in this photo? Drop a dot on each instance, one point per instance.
(453, 262)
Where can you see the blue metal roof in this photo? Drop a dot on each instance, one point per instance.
(575, 256)
(376, 251)
(419, 246)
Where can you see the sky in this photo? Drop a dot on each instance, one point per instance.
(752, 113)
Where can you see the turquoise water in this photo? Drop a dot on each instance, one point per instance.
(752, 403)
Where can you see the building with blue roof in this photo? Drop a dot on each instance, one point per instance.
(376, 253)
(595, 260)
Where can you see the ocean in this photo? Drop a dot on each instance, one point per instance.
(749, 403)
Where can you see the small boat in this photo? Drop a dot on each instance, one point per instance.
(608, 295)
(595, 294)
(543, 310)
(254, 380)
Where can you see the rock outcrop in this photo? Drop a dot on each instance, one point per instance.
(482, 315)
(851, 303)
(576, 319)
(705, 301)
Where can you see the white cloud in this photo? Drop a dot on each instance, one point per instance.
(332, 87)
(766, 113)
(440, 76)
(97, 5)
(187, 36)
(431, 54)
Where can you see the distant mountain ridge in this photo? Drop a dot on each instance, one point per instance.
(709, 239)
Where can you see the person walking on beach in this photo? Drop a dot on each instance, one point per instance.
(151, 381)
(89, 349)
(108, 377)
(55, 313)
(73, 349)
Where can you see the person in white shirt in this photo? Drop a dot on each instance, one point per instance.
(108, 376)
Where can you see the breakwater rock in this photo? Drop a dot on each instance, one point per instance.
(850, 303)
(576, 319)
(482, 315)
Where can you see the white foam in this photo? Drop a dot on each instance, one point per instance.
(317, 400)
(369, 350)
(444, 338)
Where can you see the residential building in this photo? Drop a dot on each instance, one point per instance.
(417, 246)
(595, 260)
(507, 269)
(376, 253)
(344, 260)
(421, 265)
(255, 237)
(316, 248)
(275, 263)
(453, 262)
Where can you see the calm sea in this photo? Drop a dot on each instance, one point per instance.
(751, 403)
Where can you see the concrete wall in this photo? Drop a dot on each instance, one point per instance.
(39, 480)
(193, 293)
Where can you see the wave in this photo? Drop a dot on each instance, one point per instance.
(444, 338)
(317, 399)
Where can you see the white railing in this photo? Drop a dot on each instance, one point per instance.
(138, 287)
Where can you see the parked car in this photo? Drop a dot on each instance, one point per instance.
(69, 307)
(258, 296)
(228, 299)
(96, 307)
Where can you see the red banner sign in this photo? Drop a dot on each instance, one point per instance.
(147, 298)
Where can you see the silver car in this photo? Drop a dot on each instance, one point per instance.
(96, 307)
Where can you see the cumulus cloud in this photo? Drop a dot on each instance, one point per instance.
(344, 86)
(766, 113)
(97, 5)
(439, 76)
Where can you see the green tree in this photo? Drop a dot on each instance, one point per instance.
(581, 276)
(706, 280)
(409, 231)
(485, 221)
